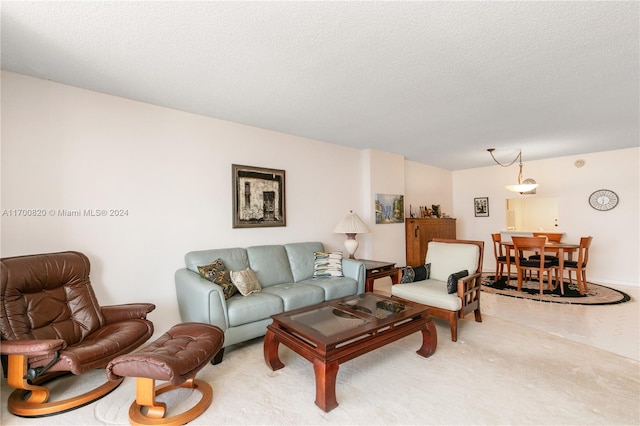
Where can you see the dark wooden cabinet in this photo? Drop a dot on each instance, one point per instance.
(420, 231)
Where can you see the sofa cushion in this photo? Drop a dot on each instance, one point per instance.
(296, 295)
(246, 282)
(334, 287)
(452, 281)
(255, 307)
(447, 258)
(271, 264)
(235, 259)
(428, 292)
(327, 264)
(301, 259)
(218, 273)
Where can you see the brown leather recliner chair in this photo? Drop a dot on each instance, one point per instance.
(51, 325)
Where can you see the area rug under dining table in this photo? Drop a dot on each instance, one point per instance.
(596, 295)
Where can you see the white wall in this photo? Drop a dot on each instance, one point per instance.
(615, 250)
(68, 148)
(385, 176)
(427, 185)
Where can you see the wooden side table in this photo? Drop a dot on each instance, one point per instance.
(376, 269)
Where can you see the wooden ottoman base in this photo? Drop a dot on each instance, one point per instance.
(176, 357)
(146, 392)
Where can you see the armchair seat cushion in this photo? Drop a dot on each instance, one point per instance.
(429, 292)
(102, 345)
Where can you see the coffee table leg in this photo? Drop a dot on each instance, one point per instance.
(429, 340)
(271, 351)
(326, 384)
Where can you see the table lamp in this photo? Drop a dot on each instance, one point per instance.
(351, 225)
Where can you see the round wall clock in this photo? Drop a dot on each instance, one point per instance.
(603, 199)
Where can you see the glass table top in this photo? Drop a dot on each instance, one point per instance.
(331, 320)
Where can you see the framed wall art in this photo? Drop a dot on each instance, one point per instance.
(481, 206)
(258, 197)
(389, 208)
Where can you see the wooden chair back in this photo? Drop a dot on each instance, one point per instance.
(580, 267)
(553, 237)
(497, 246)
(522, 244)
(583, 251)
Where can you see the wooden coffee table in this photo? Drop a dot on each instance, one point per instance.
(337, 331)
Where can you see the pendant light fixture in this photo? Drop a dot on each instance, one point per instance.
(523, 186)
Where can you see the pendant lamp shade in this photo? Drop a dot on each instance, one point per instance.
(522, 187)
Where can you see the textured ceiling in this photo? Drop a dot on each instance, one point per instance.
(438, 82)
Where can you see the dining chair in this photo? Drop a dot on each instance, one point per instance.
(553, 237)
(501, 258)
(541, 266)
(580, 266)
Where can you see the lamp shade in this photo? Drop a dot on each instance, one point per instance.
(522, 188)
(351, 224)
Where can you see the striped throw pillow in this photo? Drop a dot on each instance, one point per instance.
(327, 264)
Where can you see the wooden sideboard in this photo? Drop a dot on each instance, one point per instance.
(418, 233)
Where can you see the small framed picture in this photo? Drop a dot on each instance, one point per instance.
(481, 206)
(258, 197)
(389, 208)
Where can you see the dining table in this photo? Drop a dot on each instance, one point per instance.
(556, 247)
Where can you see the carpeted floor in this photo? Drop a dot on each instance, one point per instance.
(497, 373)
(595, 295)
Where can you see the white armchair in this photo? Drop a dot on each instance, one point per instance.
(447, 257)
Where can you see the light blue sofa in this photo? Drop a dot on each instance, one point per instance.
(285, 273)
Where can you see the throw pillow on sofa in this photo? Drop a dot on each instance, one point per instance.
(452, 281)
(246, 281)
(217, 273)
(327, 264)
